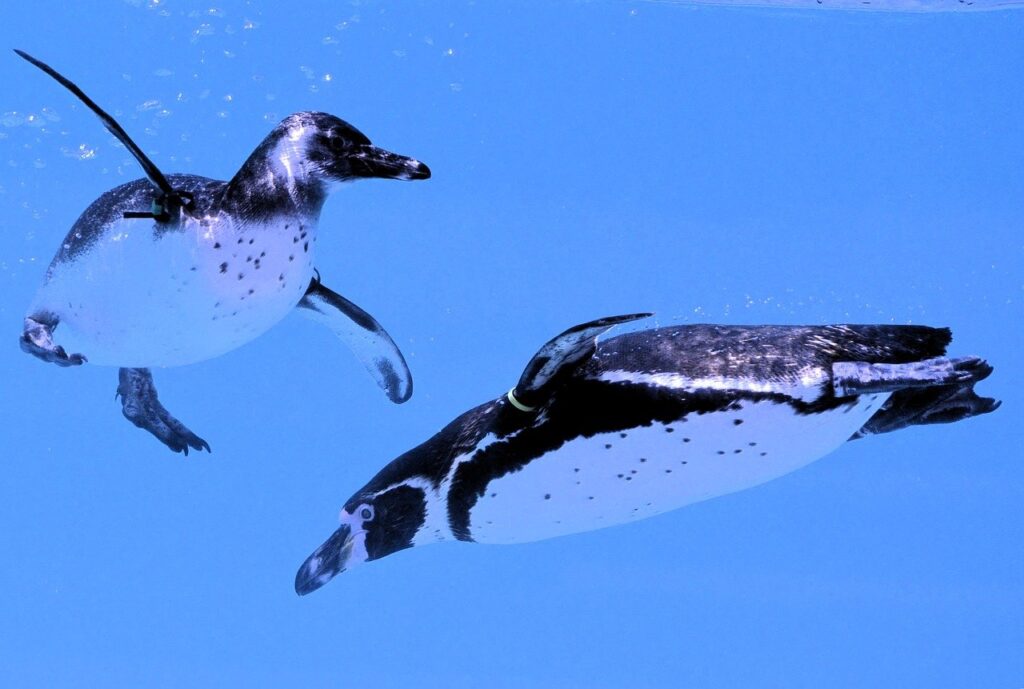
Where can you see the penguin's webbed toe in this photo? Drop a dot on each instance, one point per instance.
(141, 406)
(37, 341)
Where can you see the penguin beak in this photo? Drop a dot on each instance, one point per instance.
(370, 161)
(327, 561)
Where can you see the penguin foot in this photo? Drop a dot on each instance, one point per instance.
(861, 377)
(37, 340)
(141, 406)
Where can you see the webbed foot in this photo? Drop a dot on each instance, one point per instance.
(946, 395)
(37, 340)
(861, 377)
(140, 405)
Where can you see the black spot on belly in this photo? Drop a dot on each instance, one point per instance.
(241, 275)
(737, 422)
(607, 446)
(252, 291)
(305, 247)
(251, 241)
(669, 429)
(216, 245)
(547, 496)
(223, 267)
(763, 454)
(587, 408)
(643, 459)
(752, 444)
(248, 259)
(736, 452)
(291, 257)
(668, 471)
(686, 440)
(590, 497)
(721, 452)
(239, 240)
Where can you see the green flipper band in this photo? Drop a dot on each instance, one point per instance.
(516, 403)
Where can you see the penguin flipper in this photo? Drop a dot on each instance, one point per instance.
(150, 168)
(563, 353)
(37, 340)
(364, 336)
(140, 405)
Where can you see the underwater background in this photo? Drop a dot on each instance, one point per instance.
(711, 164)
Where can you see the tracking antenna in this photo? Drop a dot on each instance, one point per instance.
(170, 199)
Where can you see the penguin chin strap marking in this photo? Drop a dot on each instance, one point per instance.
(517, 404)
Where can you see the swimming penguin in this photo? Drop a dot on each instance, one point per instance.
(173, 270)
(595, 435)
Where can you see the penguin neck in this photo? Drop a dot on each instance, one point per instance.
(279, 178)
(435, 527)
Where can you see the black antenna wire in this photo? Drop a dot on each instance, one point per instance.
(171, 197)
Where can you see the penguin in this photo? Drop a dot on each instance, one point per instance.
(599, 434)
(172, 270)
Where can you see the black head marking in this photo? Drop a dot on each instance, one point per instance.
(398, 513)
(293, 165)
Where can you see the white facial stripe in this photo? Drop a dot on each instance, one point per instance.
(435, 508)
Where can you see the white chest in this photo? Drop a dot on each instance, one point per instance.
(139, 299)
(614, 478)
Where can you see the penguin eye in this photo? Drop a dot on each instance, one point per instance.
(366, 513)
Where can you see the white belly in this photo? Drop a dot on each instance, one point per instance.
(591, 483)
(136, 300)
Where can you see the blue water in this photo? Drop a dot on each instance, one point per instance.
(709, 164)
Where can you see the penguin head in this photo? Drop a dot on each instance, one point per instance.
(372, 526)
(343, 153)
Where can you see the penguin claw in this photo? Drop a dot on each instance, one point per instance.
(141, 406)
(49, 352)
(172, 433)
